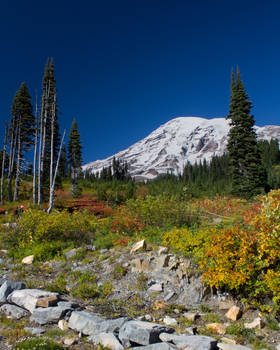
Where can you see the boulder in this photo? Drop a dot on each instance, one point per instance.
(157, 346)
(46, 315)
(226, 304)
(28, 260)
(85, 322)
(141, 332)
(107, 340)
(234, 313)
(195, 342)
(8, 287)
(27, 298)
(193, 292)
(111, 326)
(13, 311)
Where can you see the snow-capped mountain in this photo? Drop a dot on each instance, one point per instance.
(173, 144)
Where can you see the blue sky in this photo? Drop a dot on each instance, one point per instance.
(125, 67)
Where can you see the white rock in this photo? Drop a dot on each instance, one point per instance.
(162, 250)
(257, 323)
(28, 260)
(69, 341)
(138, 245)
(62, 324)
(169, 321)
(107, 340)
(157, 287)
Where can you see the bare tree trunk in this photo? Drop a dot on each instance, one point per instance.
(52, 144)
(18, 172)
(42, 148)
(13, 143)
(51, 199)
(35, 154)
(3, 164)
(39, 159)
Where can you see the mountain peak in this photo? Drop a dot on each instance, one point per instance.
(173, 144)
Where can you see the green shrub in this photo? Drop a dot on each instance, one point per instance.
(38, 343)
(38, 226)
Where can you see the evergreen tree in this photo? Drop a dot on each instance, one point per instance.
(75, 157)
(21, 135)
(248, 175)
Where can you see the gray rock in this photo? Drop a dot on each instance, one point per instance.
(44, 315)
(169, 296)
(225, 346)
(112, 326)
(107, 340)
(85, 322)
(170, 321)
(195, 342)
(193, 292)
(68, 304)
(8, 287)
(1, 261)
(13, 311)
(102, 251)
(27, 298)
(142, 333)
(71, 253)
(34, 331)
(157, 287)
(157, 346)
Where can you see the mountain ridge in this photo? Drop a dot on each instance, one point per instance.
(176, 142)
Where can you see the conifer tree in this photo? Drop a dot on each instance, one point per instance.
(75, 157)
(21, 135)
(248, 175)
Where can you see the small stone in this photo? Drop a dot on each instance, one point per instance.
(191, 316)
(176, 311)
(218, 328)
(34, 330)
(148, 317)
(47, 301)
(107, 340)
(28, 260)
(169, 296)
(162, 250)
(228, 341)
(63, 325)
(137, 246)
(191, 330)
(257, 323)
(102, 251)
(157, 287)
(159, 305)
(169, 321)
(234, 313)
(224, 346)
(225, 304)
(70, 341)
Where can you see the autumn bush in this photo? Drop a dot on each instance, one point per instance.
(243, 257)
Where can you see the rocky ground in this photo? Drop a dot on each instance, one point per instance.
(124, 298)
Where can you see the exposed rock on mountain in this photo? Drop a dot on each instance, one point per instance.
(173, 144)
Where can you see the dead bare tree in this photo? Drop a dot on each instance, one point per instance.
(3, 163)
(13, 143)
(35, 152)
(51, 198)
(19, 159)
(52, 139)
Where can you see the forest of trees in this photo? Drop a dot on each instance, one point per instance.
(34, 150)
